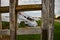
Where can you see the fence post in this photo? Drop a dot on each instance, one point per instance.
(0, 22)
(47, 19)
(16, 19)
(12, 20)
(0, 18)
(16, 15)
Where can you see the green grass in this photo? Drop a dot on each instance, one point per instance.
(37, 36)
(28, 37)
(56, 31)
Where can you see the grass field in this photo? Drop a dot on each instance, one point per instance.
(37, 36)
(29, 37)
(57, 31)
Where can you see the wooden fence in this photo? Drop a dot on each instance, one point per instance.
(47, 8)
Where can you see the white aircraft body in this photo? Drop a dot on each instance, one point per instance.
(28, 20)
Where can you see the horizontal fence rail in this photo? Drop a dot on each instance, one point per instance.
(22, 31)
(22, 8)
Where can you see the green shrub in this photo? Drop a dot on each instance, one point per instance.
(22, 24)
(39, 22)
(5, 25)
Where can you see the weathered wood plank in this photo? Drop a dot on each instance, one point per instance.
(16, 12)
(12, 19)
(0, 23)
(47, 19)
(5, 32)
(0, 18)
(22, 31)
(16, 26)
(22, 8)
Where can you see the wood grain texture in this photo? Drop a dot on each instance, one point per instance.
(22, 31)
(0, 23)
(12, 20)
(0, 18)
(16, 26)
(22, 8)
(47, 19)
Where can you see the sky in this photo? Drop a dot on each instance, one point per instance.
(33, 13)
